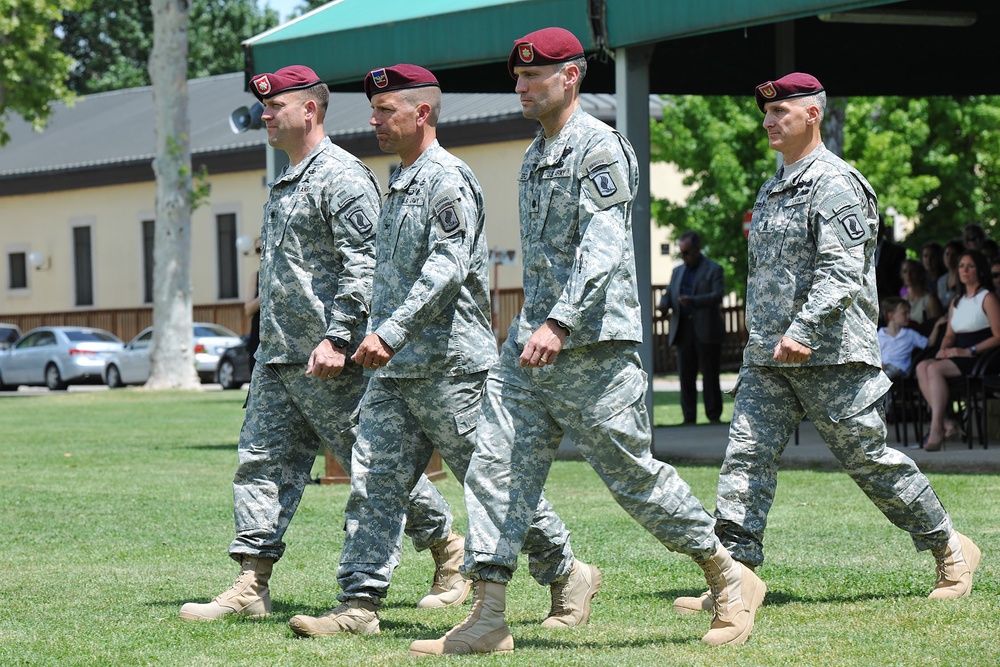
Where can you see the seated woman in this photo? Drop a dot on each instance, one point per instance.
(925, 309)
(973, 327)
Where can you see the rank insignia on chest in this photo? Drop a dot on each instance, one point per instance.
(414, 195)
(360, 220)
(604, 182)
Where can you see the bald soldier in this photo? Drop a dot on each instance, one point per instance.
(429, 346)
(318, 252)
(570, 365)
(811, 311)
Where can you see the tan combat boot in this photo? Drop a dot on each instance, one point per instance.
(450, 588)
(737, 593)
(249, 596)
(484, 631)
(689, 605)
(571, 597)
(956, 561)
(357, 616)
(704, 602)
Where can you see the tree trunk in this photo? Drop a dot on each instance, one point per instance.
(171, 354)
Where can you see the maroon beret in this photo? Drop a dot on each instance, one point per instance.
(544, 47)
(384, 79)
(796, 84)
(293, 77)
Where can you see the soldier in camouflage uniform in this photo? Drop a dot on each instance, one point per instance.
(430, 344)
(813, 349)
(570, 365)
(315, 286)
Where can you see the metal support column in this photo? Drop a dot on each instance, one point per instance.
(632, 120)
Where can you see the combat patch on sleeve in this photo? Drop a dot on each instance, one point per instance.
(605, 181)
(845, 213)
(359, 219)
(446, 208)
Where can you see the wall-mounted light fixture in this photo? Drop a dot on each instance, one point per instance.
(903, 17)
(244, 244)
(39, 260)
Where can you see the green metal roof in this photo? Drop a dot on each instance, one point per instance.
(345, 39)
(631, 22)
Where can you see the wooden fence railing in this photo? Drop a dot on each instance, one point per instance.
(127, 322)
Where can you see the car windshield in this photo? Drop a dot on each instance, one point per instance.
(90, 337)
(203, 330)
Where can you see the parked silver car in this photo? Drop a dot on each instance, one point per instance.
(57, 357)
(131, 364)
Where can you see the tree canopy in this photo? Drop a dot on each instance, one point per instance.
(32, 69)
(933, 160)
(111, 41)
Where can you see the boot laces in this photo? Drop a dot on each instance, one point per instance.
(477, 602)
(240, 580)
(941, 560)
(716, 582)
(440, 581)
(559, 598)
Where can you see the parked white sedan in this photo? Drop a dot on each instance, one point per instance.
(131, 365)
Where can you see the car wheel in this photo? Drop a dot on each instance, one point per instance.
(114, 377)
(227, 375)
(6, 387)
(53, 380)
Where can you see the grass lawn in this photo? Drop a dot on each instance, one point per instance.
(118, 509)
(667, 408)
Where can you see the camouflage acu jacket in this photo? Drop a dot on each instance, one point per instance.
(576, 192)
(318, 254)
(431, 301)
(812, 270)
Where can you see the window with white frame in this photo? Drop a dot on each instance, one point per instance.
(17, 270)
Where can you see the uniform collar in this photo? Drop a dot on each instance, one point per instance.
(555, 147)
(291, 173)
(404, 176)
(799, 168)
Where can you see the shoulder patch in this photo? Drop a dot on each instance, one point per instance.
(448, 219)
(846, 213)
(605, 180)
(446, 209)
(359, 219)
(604, 183)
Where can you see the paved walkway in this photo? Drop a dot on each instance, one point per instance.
(706, 443)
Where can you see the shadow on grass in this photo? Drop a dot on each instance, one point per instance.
(777, 599)
(221, 446)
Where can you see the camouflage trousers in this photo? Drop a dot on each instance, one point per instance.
(402, 421)
(289, 415)
(595, 395)
(844, 403)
